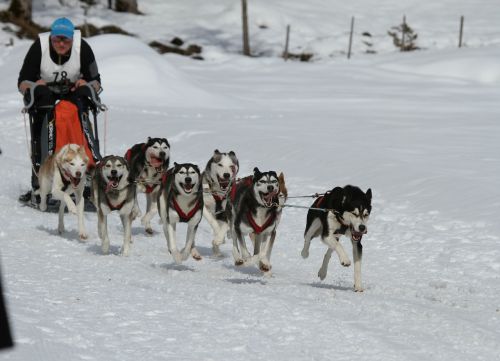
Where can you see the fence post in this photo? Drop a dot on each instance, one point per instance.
(461, 31)
(244, 15)
(350, 38)
(285, 52)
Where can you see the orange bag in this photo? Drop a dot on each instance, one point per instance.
(68, 128)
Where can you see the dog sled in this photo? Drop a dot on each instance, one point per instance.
(63, 123)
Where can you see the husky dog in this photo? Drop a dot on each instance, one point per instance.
(255, 209)
(217, 179)
(112, 191)
(63, 174)
(148, 161)
(181, 200)
(346, 212)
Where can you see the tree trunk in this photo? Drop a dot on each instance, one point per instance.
(21, 9)
(126, 6)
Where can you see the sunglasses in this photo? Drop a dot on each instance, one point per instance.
(61, 39)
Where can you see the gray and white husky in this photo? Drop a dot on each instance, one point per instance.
(112, 191)
(255, 210)
(341, 211)
(181, 200)
(148, 162)
(217, 179)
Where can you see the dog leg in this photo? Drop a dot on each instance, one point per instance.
(169, 230)
(219, 238)
(189, 248)
(82, 232)
(265, 261)
(310, 234)
(357, 254)
(332, 242)
(43, 192)
(238, 259)
(150, 211)
(324, 267)
(102, 225)
(127, 233)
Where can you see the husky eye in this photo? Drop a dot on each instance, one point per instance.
(108, 166)
(219, 164)
(274, 181)
(355, 214)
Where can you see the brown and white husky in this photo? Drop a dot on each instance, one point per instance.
(63, 174)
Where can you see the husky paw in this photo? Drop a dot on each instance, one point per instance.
(125, 251)
(264, 266)
(60, 229)
(149, 231)
(345, 262)
(105, 249)
(176, 255)
(322, 274)
(83, 236)
(239, 262)
(358, 288)
(195, 254)
(216, 251)
(304, 253)
(43, 206)
(71, 208)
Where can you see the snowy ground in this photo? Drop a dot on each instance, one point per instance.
(421, 130)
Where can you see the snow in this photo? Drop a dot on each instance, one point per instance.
(420, 129)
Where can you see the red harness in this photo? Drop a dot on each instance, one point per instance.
(115, 208)
(183, 217)
(259, 229)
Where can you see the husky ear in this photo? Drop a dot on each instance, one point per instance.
(232, 154)
(217, 155)
(369, 194)
(256, 172)
(281, 177)
(149, 138)
(175, 164)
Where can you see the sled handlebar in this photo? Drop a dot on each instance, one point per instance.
(92, 85)
(28, 103)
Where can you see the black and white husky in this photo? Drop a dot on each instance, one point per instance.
(112, 191)
(217, 179)
(148, 161)
(181, 200)
(254, 209)
(341, 211)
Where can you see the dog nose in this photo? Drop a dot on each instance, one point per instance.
(227, 175)
(187, 180)
(362, 228)
(114, 172)
(78, 174)
(162, 155)
(270, 188)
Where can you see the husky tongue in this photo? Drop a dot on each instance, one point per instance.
(156, 162)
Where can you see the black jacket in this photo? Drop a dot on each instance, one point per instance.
(31, 66)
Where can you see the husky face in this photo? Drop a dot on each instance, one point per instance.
(357, 208)
(187, 178)
(73, 161)
(223, 167)
(157, 151)
(265, 187)
(114, 171)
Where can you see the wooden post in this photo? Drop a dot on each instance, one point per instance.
(350, 39)
(244, 14)
(285, 52)
(110, 4)
(461, 31)
(403, 31)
